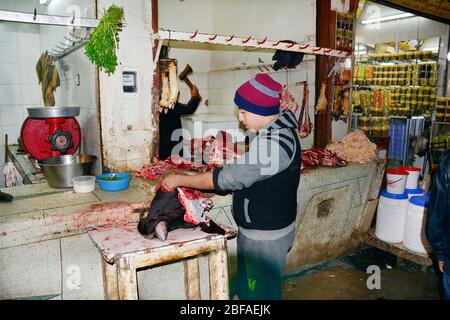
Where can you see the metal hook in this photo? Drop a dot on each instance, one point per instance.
(63, 49)
(262, 41)
(194, 34)
(35, 14)
(73, 17)
(65, 46)
(246, 40)
(230, 38)
(276, 43)
(74, 42)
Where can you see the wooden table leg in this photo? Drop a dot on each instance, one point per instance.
(218, 274)
(110, 280)
(192, 279)
(127, 279)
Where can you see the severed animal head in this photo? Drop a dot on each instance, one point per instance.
(166, 214)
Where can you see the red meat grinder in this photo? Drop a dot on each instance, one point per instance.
(50, 132)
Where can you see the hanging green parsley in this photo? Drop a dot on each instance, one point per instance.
(101, 48)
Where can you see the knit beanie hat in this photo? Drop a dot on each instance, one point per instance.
(260, 95)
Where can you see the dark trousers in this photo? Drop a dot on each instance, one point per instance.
(260, 267)
(446, 282)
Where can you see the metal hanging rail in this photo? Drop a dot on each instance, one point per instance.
(76, 43)
(38, 18)
(248, 42)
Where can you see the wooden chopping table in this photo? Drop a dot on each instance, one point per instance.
(124, 250)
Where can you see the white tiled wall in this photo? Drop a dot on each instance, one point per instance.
(223, 84)
(242, 19)
(19, 52)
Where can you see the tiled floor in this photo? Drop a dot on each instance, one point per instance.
(346, 278)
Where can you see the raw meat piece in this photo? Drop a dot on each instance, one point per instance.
(318, 156)
(322, 102)
(355, 147)
(195, 205)
(287, 100)
(170, 211)
(305, 125)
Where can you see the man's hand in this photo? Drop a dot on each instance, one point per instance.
(441, 266)
(170, 182)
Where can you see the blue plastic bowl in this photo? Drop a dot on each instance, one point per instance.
(114, 185)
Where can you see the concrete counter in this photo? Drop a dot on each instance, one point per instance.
(46, 253)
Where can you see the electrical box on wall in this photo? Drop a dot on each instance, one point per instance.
(129, 81)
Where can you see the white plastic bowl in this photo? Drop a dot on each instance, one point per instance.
(83, 184)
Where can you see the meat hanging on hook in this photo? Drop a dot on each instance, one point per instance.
(304, 122)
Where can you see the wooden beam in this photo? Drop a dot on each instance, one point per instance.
(218, 274)
(110, 284)
(192, 278)
(325, 35)
(154, 150)
(127, 279)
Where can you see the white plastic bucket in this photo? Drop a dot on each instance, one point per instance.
(414, 192)
(413, 178)
(414, 237)
(396, 181)
(391, 214)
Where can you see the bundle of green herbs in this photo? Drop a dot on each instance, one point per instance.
(101, 48)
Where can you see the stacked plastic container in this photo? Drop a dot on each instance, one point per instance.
(392, 207)
(414, 237)
(412, 185)
(401, 211)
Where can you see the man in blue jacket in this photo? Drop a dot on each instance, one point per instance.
(438, 223)
(264, 188)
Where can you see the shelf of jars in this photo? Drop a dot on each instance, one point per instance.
(395, 85)
(442, 110)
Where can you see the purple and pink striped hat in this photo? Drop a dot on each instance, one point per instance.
(260, 95)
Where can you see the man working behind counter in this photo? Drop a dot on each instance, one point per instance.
(171, 121)
(265, 188)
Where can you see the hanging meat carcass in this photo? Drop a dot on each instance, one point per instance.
(170, 91)
(304, 122)
(287, 100)
(322, 102)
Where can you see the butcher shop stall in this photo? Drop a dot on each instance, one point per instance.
(86, 86)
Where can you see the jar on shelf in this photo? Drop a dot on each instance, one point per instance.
(420, 104)
(441, 101)
(440, 117)
(376, 131)
(364, 121)
(366, 130)
(369, 72)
